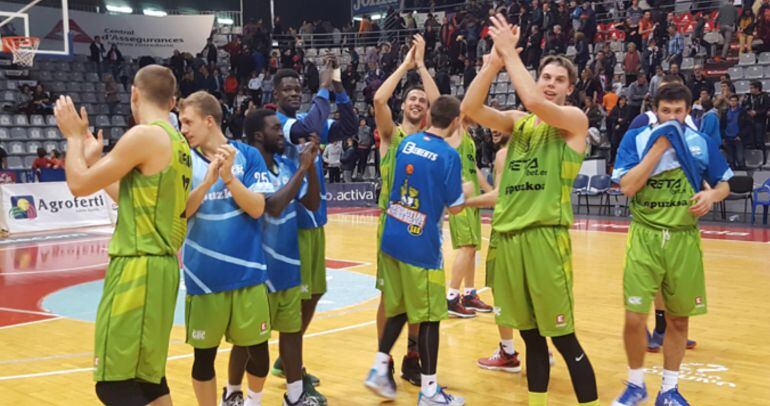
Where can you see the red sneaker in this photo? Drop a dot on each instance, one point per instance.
(501, 361)
(473, 302)
(457, 309)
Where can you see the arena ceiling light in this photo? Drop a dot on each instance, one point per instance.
(154, 13)
(225, 21)
(119, 9)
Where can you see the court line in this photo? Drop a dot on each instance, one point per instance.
(45, 244)
(31, 322)
(22, 311)
(178, 357)
(77, 268)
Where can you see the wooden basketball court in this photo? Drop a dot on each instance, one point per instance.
(47, 288)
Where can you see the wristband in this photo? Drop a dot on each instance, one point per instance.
(337, 76)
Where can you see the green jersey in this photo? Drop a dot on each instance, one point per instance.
(467, 151)
(536, 184)
(151, 218)
(388, 166)
(664, 202)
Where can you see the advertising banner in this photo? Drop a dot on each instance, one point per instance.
(28, 207)
(135, 35)
(361, 7)
(351, 194)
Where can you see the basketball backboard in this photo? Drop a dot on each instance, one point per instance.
(49, 23)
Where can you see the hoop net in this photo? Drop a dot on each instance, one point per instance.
(22, 48)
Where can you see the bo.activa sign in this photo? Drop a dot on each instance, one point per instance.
(351, 194)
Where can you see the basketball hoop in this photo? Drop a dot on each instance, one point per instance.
(22, 48)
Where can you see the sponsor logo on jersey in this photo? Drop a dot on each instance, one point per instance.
(634, 300)
(665, 204)
(674, 185)
(410, 148)
(198, 334)
(561, 320)
(524, 187)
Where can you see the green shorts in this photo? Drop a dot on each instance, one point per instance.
(134, 318)
(667, 261)
(491, 256)
(418, 292)
(286, 310)
(465, 228)
(312, 256)
(380, 227)
(242, 316)
(532, 283)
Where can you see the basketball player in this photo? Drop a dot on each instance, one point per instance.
(148, 174)
(293, 186)
(465, 230)
(224, 266)
(655, 340)
(415, 105)
(299, 128)
(533, 268)
(668, 170)
(427, 178)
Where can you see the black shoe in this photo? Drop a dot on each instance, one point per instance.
(235, 398)
(410, 368)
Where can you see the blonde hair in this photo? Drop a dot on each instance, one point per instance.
(204, 103)
(157, 85)
(559, 60)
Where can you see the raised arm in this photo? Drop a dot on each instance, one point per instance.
(252, 203)
(431, 89)
(348, 122)
(383, 116)
(315, 119)
(568, 118)
(138, 146)
(475, 98)
(637, 177)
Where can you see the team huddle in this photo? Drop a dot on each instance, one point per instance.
(249, 219)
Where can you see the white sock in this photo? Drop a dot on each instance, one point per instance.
(452, 294)
(429, 385)
(381, 363)
(508, 346)
(469, 291)
(636, 376)
(294, 391)
(232, 388)
(670, 380)
(253, 399)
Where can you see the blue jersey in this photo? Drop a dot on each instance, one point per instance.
(426, 179)
(307, 218)
(279, 235)
(223, 249)
(696, 153)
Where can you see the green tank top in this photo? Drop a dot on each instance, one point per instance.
(387, 167)
(467, 151)
(151, 218)
(664, 202)
(536, 184)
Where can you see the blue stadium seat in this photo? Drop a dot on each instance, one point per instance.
(5, 133)
(35, 133)
(32, 147)
(50, 120)
(20, 120)
(6, 120)
(119, 121)
(102, 121)
(16, 147)
(52, 133)
(37, 119)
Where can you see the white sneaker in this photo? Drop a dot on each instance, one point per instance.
(383, 386)
(440, 398)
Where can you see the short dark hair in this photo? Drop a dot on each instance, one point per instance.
(707, 105)
(283, 73)
(559, 60)
(444, 110)
(672, 92)
(756, 84)
(733, 96)
(409, 90)
(255, 122)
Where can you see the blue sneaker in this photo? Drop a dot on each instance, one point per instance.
(655, 341)
(671, 398)
(632, 396)
(384, 386)
(440, 398)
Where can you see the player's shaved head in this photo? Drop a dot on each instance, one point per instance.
(204, 103)
(156, 84)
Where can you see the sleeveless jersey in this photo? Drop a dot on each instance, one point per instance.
(387, 166)
(151, 218)
(467, 151)
(664, 202)
(536, 184)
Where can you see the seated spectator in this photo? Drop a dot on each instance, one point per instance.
(746, 28)
(57, 161)
(593, 112)
(556, 42)
(636, 93)
(734, 123)
(41, 162)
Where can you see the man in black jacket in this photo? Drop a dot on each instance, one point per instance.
(757, 104)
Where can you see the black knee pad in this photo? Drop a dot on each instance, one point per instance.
(568, 345)
(153, 391)
(259, 360)
(121, 393)
(203, 365)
